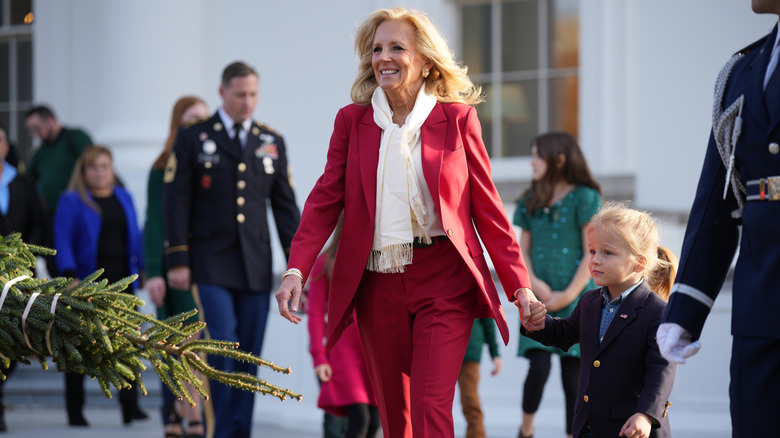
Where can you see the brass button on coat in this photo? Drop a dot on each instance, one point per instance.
(240, 201)
(242, 167)
(774, 148)
(241, 185)
(450, 233)
(240, 218)
(596, 363)
(585, 398)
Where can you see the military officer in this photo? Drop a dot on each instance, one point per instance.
(218, 180)
(740, 184)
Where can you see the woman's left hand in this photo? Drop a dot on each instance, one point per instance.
(288, 297)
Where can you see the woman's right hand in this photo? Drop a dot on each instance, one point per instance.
(288, 297)
(324, 372)
(155, 287)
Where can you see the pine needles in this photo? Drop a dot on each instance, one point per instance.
(93, 328)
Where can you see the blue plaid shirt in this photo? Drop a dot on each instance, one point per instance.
(611, 307)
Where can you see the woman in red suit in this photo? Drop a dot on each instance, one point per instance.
(407, 166)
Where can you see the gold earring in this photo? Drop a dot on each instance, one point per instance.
(426, 72)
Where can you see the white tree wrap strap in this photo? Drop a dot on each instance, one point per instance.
(6, 288)
(726, 128)
(24, 319)
(48, 331)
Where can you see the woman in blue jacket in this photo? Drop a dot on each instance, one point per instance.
(96, 227)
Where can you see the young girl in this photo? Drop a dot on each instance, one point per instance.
(553, 215)
(346, 390)
(624, 381)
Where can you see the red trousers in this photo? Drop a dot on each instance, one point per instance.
(415, 327)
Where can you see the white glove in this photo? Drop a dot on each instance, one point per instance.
(675, 343)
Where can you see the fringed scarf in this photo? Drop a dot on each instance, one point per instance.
(401, 214)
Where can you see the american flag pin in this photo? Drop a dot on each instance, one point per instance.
(623, 315)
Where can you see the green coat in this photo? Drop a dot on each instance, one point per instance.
(483, 332)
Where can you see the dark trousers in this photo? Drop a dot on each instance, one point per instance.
(236, 316)
(415, 327)
(754, 387)
(74, 396)
(539, 371)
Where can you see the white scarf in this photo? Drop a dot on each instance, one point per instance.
(400, 209)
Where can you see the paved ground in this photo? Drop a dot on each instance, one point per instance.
(699, 400)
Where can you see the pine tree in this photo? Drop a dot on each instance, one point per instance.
(93, 328)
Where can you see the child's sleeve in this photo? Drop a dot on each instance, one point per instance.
(659, 377)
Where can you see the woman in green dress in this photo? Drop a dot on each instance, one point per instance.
(553, 215)
(169, 302)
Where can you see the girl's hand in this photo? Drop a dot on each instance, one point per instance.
(155, 287)
(498, 365)
(638, 426)
(324, 372)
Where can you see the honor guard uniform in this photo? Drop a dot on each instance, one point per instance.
(217, 192)
(739, 185)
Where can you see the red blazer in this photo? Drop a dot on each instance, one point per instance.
(457, 170)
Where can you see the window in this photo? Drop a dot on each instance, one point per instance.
(16, 68)
(524, 54)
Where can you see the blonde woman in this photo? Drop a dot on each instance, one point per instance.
(408, 167)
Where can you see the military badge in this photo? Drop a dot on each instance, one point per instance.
(217, 127)
(209, 146)
(203, 136)
(267, 138)
(170, 169)
(267, 150)
(255, 130)
(205, 182)
(268, 165)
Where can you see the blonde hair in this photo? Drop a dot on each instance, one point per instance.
(78, 182)
(448, 80)
(638, 231)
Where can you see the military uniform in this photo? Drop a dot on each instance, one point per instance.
(713, 234)
(217, 194)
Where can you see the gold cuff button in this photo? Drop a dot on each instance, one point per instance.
(450, 233)
(585, 398)
(596, 363)
(240, 201)
(240, 218)
(242, 167)
(241, 185)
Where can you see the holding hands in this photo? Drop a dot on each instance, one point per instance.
(532, 311)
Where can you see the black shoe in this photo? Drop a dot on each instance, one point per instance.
(77, 420)
(131, 413)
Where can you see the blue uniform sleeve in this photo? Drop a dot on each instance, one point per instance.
(709, 246)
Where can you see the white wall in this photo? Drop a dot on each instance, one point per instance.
(648, 70)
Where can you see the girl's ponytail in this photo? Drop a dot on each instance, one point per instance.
(661, 276)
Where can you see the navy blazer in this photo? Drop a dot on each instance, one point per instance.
(77, 230)
(622, 375)
(712, 233)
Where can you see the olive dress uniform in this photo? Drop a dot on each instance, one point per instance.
(217, 192)
(712, 237)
